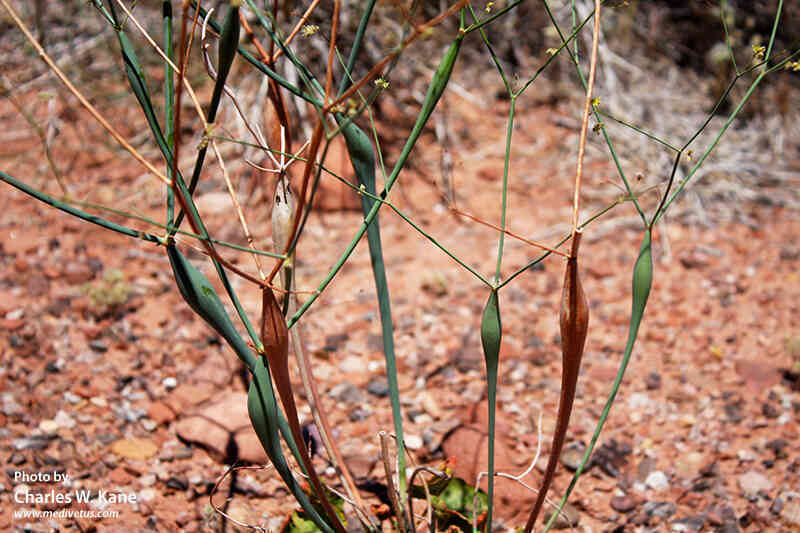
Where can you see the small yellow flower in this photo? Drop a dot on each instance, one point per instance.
(596, 101)
(689, 154)
(758, 52)
(381, 83)
(489, 5)
(309, 30)
(598, 127)
(551, 51)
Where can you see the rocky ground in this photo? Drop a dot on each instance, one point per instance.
(109, 378)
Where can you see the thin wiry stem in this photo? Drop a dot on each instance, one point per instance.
(300, 24)
(5, 90)
(192, 95)
(505, 231)
(82, 99)
(585, 122)
(379, 66)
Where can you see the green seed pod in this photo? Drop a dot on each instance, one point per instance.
(642, 276)
(491, 331)
(491, 338)
(203, 299)
(361, 155)
(228, 43)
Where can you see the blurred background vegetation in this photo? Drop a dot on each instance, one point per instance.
(663, 65)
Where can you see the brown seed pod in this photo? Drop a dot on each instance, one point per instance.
(574, 321)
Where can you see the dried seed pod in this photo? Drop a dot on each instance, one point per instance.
(283, 210)
(275, 336)
(574, 322)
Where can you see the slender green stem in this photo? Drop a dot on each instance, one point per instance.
(564, 239)
(492, 18)
(438, 84)
(94, 219)
(351, 61)
(637, 129)
(723, 14)
(504, 208)
(564, 44)
(283, 82)
(417, 227)
(768, 55)
(597, 116)
(713, 145)
(169, 98)
(171, 229)
(494, 57)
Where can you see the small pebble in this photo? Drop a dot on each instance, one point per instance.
(413, 442)
(170, 383)
(17, 459)
(98, 346)
(72, 398)
(98, 401)
(147, 495)
(358, 414)
(623, 504)
(30, 443)
(568, 518)
(572, 455)
(48, 426)
(64, 420)
(177, 483)
(746, 456)
(752, 483)
(692, 523)
(378, 386)
(346, 392)
(659, 509)
(657, 481)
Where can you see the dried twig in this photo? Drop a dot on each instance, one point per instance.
(82, 99)
(585, 122)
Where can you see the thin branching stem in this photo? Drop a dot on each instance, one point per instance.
(585, 122)
(82, 99)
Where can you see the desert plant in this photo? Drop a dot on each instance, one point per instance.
(340, 103)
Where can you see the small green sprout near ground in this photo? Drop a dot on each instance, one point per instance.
(108, 294)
